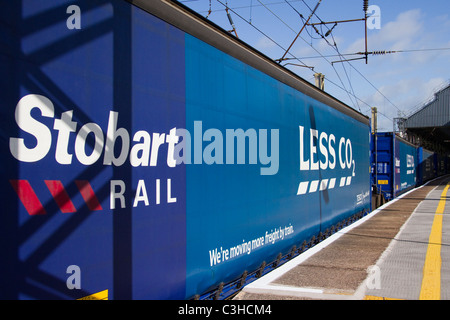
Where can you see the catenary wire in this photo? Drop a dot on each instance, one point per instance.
(296, 58)
(351, 65)
(337, 73)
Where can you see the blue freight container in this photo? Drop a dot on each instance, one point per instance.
(148, 154)
(439, 164)
(394, 166)
(382, 165)
(447, 164)
(425, 165)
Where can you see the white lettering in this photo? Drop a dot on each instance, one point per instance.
(169, 192)
(80, 143)
(113, 195)
(348, 153)
(332, 165)
(142, 148)
(341, 158)
(323, 151)
(141, 194)
(158, 191)
(112, 134)
(64, 126)
(37, 129)
(158, 140)
(314, 134)
(304, 165)
(171, 139)
(90, 142)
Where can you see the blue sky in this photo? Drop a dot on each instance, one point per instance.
(397, 84)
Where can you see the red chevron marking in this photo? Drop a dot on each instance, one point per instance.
(60, 195)
(88, 195)
(28, 198)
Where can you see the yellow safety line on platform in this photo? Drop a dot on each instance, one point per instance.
(431, 282)
(102, 295)
(379, 298)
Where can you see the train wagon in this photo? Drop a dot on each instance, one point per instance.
(425, 165)
(148, 154)
(394, 166)
(439, 164)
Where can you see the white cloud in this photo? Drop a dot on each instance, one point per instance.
(264, 43)
(444, 21)
(408, 95)
(406, 79)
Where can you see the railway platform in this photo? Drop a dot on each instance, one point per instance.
(399, 251)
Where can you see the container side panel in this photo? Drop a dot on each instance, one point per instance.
(408, 166)
(382, 166)
(239, 215)
(88, 204)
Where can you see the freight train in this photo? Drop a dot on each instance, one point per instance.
(146, 153)
(398, 165)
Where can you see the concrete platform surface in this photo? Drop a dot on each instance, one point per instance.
(399, 251)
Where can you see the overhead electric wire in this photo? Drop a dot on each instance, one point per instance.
(417, 50)
(373, 52)
(368, 105)
(334, 46)
(249, 6)
(308, 44)
(337, 73)
(298, 59)
(339, 54)
(301, 16)
(379, 52)
(259, 30)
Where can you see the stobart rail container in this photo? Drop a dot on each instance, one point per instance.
(148, 154)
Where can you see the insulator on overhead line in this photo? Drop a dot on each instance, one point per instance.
(381, 52)
(366, 5)
(230, 19)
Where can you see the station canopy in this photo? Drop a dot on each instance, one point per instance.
(430, 126)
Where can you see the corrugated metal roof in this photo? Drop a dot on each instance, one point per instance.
(434, 114)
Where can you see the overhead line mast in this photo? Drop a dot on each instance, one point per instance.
(304, 25)
(365, 9)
